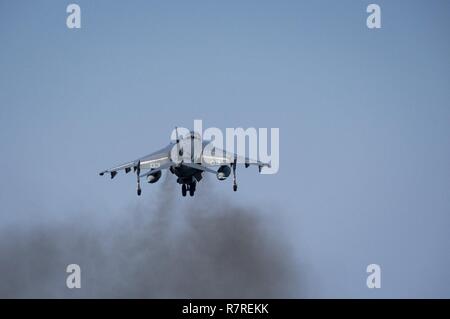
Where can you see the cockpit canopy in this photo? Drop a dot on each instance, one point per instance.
(194, 135)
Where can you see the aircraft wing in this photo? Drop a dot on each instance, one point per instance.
(220, 157)
(154, 160)
(126, 166)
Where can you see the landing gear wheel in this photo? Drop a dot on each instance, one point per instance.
(192, 189)
(183, 190)
(235, 187)
(139, 191)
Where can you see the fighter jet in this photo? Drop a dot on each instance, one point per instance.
(187, 158)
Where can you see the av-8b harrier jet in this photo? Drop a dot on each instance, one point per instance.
(188, 157)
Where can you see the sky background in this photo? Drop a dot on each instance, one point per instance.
(364, 119)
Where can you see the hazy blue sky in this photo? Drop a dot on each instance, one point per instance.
(364, 120)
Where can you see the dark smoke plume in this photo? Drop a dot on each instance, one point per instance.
(203, 248)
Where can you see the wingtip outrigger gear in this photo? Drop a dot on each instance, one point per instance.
(234, 174)
(138, 178)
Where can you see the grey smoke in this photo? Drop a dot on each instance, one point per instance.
(206, 248)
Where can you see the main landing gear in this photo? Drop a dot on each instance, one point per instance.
(188, 187)
(192, 189)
